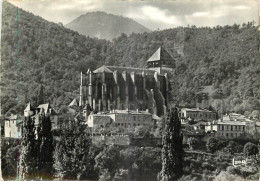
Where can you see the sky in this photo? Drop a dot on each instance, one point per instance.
(154, 14)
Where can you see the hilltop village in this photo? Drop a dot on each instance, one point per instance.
(123, 104)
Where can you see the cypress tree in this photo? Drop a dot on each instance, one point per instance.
(28, 156)
(71, 152)
(45, 147)
(172, 151)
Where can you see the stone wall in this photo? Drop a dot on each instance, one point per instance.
(125, 140)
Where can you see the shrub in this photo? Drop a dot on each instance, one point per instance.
(233, 170)
(250, 149)
(212, 144)
(193, 143)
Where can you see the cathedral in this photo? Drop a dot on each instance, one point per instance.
(125, 88)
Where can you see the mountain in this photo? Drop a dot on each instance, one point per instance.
(105, 26)
(214, 66)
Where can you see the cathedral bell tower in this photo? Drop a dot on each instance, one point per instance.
(160, 60)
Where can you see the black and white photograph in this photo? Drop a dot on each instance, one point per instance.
(130, 90)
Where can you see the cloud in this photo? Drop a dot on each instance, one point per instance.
(199, 14)
(74, 5)
(151, 13)
(155, 14)
(242, 7)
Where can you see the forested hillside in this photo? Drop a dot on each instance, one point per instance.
(214, 66)
(43, 53)
(217, 66)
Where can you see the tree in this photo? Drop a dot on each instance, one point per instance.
(40, 95)
(45, 147)
(142, 131)
(212, 144)
(11, 159)
(29, 149)
(72, 150)
(250, 149)
(258, 158)
(172, 151)
(107, 162)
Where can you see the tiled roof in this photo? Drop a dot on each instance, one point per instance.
(15, 117)
(29, 107)
(12, 117)
(73, 103)
(102, 69)
(124, 112)
(196, 110)
(44, 106)
(232, 123)
(130, 70)
(160, 54)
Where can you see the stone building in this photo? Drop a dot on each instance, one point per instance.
(37, 114)
(126, 88)
(197, 114)
(120, 118)
(227, 129)
(11, 129)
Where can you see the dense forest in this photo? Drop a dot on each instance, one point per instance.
(213, 66)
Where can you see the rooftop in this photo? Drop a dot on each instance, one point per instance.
(14, 117)
(237, 123)
(28, 107)
(102, 69)
(160, 54)
(196, 110)
(73, 103)
(111, 69)
(44, 106)
(123, 112)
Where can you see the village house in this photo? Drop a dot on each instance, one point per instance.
(13, 123)
(37, 114)
(196, 114)
(227, 129)
(122, 118)
(11, 129)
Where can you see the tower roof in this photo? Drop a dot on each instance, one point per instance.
(159, 55)
(130, 70)
(45, 107)
(28, 107)
(73, 103)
